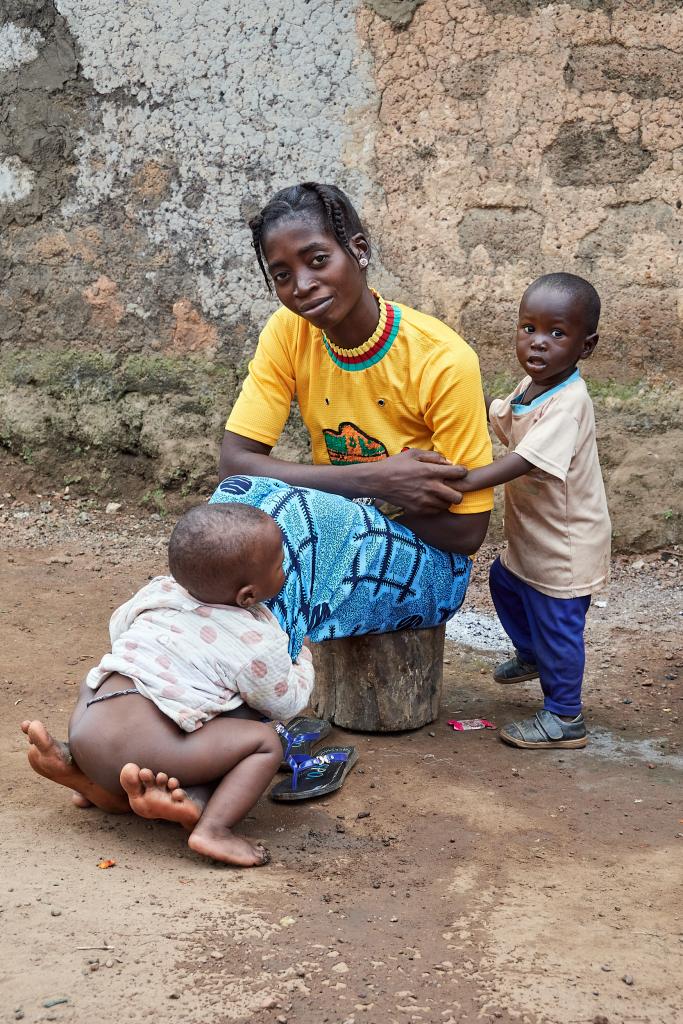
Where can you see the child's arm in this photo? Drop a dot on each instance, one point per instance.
(499, 472)
(285, 688)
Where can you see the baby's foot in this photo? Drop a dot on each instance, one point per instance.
(219, 843)
(157, 796)
(52, 759)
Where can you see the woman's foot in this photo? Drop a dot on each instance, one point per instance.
(158, 796)
(219, 843)
(52, 759)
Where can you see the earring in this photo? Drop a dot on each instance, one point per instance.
(363, 262)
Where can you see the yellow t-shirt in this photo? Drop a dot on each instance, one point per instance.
(424, 392)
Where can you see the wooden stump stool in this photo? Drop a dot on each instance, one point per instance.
(380, 682)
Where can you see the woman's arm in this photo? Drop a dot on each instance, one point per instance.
(459, 534)
(499, 472)
(419, 481)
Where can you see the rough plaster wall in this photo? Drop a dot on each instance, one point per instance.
(135, 139)
(522, 136)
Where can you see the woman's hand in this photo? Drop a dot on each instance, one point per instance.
(418, 481)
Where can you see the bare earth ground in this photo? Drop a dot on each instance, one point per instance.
(484, 884)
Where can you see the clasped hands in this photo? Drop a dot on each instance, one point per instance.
(419, 481)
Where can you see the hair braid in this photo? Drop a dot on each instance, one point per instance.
(334, 214)
(313, 200)
(256, 225)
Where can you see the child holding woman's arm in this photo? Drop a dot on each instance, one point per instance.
(556, 521)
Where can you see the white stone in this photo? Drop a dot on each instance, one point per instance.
(16, 180)
(18, 46)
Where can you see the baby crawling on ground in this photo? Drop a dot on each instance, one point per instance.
(196, 663)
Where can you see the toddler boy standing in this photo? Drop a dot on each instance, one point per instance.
(556, 522)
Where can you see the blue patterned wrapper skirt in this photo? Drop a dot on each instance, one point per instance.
(349, 570)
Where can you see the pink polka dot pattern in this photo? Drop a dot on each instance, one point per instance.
(131, 645)
(281, 688)
(203, 611)
(251, 637)
(259, 668)
(176, 629)
(168, 677)
(172, 692)
(163, 660)
(208, 634)
(167, 586)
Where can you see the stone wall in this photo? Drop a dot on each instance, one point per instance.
(485, 143)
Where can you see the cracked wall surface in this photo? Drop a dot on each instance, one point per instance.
(484, 142)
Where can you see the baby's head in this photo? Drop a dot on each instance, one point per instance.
(557, 326)
(227, 554)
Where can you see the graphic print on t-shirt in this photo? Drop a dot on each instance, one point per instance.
(350, 444)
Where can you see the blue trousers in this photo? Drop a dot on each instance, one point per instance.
(547, 632)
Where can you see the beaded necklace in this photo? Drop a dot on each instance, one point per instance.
(372, 350)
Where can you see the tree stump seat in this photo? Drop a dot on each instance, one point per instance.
(380, 682)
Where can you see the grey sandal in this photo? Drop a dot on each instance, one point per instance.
(515, 671)
(545, 730)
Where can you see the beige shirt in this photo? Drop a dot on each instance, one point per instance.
(557, 526)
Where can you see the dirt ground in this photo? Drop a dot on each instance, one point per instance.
(451, 879)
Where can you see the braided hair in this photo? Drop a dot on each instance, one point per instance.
(325, 203)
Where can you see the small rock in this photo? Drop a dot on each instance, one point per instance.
(49, 1003)
(340, 968)
(109, 963)
(174, 995)
(431, 734)
(627, 979)
(287, 922)
(82, 518)
(640, 564)
(376, 885)
(18, 1014)
(606, 967)
(269, 1003)
(114, 506)
(393, 920)
(45, 507)
(363, 814)
(281, 1019)
(216, 955)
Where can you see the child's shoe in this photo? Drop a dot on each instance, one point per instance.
(545, 729)
(515, 671)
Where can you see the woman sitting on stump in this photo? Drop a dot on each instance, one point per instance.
(393, 403)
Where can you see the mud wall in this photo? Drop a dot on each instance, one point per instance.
(485, 142)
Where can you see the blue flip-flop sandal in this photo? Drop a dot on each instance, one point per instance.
(316, 776)
(299, 736)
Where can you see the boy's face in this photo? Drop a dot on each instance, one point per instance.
(551, 335)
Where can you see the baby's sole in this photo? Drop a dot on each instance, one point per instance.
(549, 745)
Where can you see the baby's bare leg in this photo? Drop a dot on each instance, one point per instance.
(52, 759)
(247, 754)
(110, 739)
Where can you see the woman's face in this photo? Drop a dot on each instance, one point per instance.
(313, 274)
